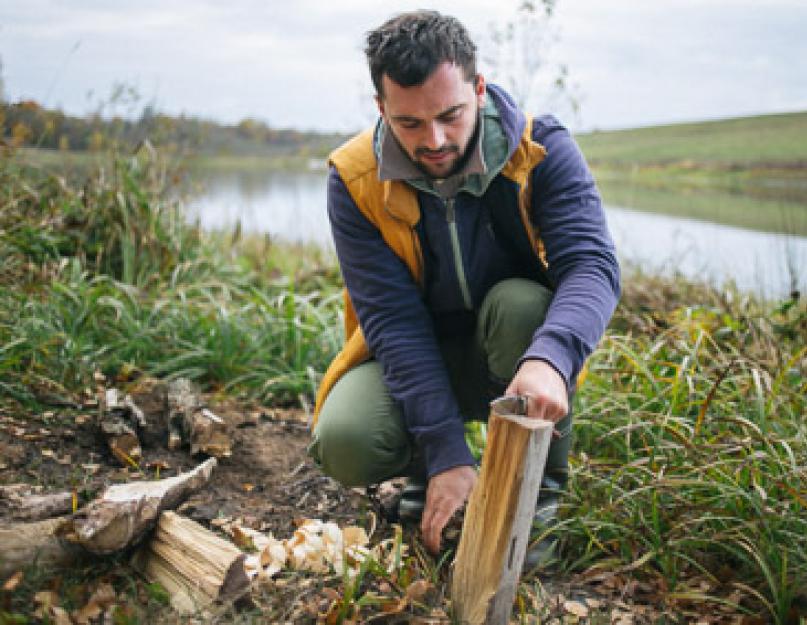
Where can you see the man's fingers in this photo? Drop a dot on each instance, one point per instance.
(547, 408)
(433, 527)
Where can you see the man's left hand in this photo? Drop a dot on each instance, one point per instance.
(545, 389)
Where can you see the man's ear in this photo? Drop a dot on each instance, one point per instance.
(380, 104)
(479, 90)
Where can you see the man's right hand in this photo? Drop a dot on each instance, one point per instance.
(447, 491)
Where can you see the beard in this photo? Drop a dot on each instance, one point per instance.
(452, 165)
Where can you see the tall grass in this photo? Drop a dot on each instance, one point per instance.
(691, 448)
(107, 275)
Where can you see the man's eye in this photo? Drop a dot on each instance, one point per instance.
(409, 125)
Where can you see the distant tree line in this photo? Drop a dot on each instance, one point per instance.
(27, 123)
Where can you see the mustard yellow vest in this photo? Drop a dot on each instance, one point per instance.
(392, 207)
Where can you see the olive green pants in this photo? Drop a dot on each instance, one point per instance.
(360, 438)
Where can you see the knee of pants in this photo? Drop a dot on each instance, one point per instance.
(360, 438)
(511, 312)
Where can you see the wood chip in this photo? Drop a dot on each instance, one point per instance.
(576, 608)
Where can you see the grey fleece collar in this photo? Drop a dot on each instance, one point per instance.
(488, 157)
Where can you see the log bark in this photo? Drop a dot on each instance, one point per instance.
(114, 521)
(23, 544)
(23, 502)
(125, 512)
(498, 519)
(195, 566)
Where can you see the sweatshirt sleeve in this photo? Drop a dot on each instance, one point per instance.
(568, 212)
(399, 332)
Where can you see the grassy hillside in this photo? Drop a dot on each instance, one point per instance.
(766, 140)
(749, 172)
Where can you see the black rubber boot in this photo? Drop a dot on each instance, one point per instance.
(542, 552)
(412, 501)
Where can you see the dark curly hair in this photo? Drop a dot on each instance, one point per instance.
(410, 46)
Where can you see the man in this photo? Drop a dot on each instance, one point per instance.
(477, 262)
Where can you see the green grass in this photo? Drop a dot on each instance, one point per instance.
(235, 162)
(691, 450)
(107, 275)
(752, 170)
(777, 140)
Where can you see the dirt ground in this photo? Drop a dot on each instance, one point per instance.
(270, 484)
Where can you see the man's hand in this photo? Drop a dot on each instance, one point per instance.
(547, 396)
(447, 491)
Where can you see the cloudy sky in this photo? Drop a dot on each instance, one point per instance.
(299, 63)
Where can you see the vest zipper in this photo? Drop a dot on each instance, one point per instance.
(457, 253)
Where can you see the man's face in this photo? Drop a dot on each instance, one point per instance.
(433, 122)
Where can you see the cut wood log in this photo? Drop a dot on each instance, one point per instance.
(125, 512)
(498, 519)
(119, 418)
(195, 566)
(114, 521)
(23, 544)
(191, 423)
(24, 502)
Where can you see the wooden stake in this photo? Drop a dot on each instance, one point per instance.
(498, 519)
(194, 565)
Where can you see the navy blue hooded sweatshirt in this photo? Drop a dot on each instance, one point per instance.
(400, 320)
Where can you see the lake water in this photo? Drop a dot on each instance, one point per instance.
(291, 206)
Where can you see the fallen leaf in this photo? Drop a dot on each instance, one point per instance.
(87, 614)
(45, 600)
(12, 582)
(418, 589)
(48, 453)
(394, 606)
(81, 419)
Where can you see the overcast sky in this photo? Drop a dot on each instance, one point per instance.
(300, 63)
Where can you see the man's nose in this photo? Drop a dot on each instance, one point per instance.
(435, 136)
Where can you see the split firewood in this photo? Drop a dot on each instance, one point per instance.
(195, 566)
(119, 419)
(24, 502)
(191, 423)
(498, 519)
(117, 519)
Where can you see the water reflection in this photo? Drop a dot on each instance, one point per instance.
(291, 205)
(770, 264)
